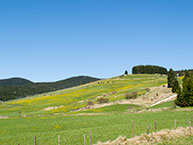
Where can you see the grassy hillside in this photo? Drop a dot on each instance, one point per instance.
(18, 88)
(77, 97)
(30, 116)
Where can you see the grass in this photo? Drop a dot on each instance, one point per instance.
(168, 104)
(108, 123)
(72, 128)
(178, 141)
(117, 108)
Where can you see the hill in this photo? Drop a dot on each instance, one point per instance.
(67, 100)
(18, 88)
(14, 81)
(58, 113)
(47, 115)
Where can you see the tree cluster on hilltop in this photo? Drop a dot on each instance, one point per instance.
(149, 69)
(21, 88)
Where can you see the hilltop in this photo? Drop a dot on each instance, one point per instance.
(14, 82)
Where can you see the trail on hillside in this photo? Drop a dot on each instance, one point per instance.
(164, 100)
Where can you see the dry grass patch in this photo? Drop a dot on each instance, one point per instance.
(154, 138)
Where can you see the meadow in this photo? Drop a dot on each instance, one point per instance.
(72, 128)
(27, 118)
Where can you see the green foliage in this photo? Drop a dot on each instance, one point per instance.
(10, 91)
(147, 89)
(171, 78)
(14, 82)
(126, 72)
(148, 69)
(102, 100)
(185, 97)
(176, 86)
(132, 95)
(90, 103)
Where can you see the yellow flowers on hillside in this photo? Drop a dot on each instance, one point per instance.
(77, 97)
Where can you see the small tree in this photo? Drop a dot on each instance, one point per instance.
(171, 78)
(126, 72)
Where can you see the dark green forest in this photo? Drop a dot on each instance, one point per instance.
(149, 69)
(18, 87)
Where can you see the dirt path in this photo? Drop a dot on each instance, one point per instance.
(164, 100)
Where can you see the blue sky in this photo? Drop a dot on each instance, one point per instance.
(44, 40)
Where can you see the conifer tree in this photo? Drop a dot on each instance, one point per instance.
(171, 78)
(126, 72)
(175, 86)
(185, 97)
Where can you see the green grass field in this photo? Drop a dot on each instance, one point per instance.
(28, 119)
(72, 128)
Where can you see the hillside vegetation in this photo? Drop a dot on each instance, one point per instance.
(47, 115)
(19, 88)
(14, 82)
(74, 98)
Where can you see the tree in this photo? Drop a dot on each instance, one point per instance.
(171, 78)
(126, 72)
(175, 86)
(185, 97)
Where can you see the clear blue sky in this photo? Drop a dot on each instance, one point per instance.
(44, 40)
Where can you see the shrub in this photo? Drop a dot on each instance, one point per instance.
(90, 103)
(147, 89)
(102, 100)
(132, 95)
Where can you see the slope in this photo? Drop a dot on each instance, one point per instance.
(18, 88)
(68, 100)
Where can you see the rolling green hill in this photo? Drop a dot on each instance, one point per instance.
(65, 101)
(18, 88)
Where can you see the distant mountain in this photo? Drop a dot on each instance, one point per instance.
(18, 87)
(14, 81)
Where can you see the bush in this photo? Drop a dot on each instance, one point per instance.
(102, 100)
(132, 95)
(90, 103)
(147, 89)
